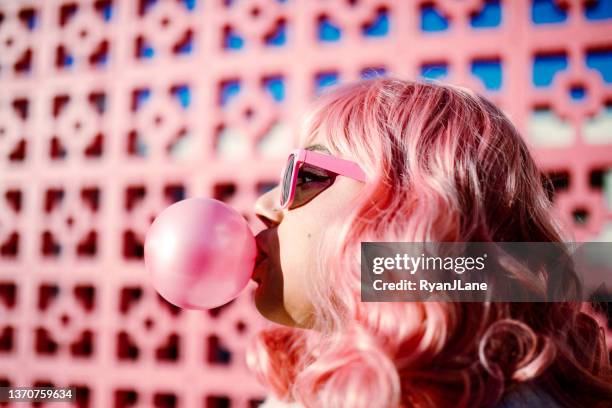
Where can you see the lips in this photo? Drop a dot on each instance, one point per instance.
(261, 256)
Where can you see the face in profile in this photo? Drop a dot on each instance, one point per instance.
(288, 246)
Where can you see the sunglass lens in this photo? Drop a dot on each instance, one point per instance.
(311, 181)
(287, 180)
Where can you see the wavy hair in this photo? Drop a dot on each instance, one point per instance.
(443, 165)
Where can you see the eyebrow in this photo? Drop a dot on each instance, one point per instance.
(318, 147)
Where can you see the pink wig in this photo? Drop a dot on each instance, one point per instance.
(443, 164)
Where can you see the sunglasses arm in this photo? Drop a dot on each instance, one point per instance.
(335, 164)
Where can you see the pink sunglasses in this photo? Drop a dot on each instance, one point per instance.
(309, 173)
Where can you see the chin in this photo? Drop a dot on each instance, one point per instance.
(272, 310)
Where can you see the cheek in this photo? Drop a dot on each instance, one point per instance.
(297, 245)
(299, 235)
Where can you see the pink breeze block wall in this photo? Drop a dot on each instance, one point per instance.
(112, 110)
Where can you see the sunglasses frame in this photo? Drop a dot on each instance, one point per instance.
(324, 161)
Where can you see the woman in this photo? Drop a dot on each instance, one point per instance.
(397, 161)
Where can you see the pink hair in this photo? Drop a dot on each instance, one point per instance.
(444, 164)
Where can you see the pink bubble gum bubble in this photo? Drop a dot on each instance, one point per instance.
(200, 253)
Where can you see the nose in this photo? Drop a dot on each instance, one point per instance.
(267, 208)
